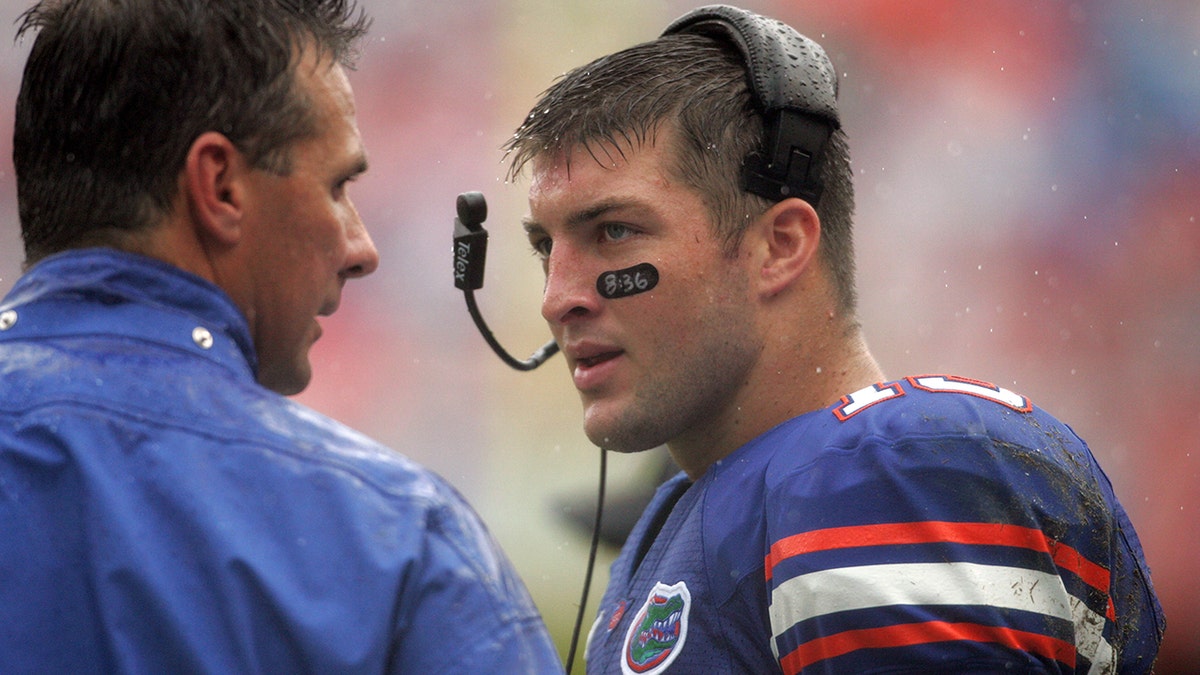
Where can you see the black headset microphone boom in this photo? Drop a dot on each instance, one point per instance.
(470, 255)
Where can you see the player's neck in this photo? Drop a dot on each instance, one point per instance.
(791, 379)
(813, 367)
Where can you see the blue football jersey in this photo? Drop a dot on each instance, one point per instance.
(930, 525)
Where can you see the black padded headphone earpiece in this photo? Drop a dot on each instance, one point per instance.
(795, 86)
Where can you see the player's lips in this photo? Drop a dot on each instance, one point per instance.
(593, 363)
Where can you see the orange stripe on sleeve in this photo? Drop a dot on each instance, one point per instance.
(931, 532)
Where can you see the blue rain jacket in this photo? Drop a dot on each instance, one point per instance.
(161, 512)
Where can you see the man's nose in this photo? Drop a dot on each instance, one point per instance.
(570, 290)
(362, 257)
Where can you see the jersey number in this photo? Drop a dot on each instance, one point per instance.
(852, 404)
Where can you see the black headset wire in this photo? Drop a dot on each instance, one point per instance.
(470, 255)
(591, 565)
(538, 358)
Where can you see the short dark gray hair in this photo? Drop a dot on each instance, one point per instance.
(114, 94)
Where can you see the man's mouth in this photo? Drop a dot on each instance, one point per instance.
(591, 361)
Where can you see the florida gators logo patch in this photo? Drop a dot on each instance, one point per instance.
(658, 631)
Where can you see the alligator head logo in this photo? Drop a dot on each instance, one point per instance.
(658, 631)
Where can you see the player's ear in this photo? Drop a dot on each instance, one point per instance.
(215, 172)
(788, 234)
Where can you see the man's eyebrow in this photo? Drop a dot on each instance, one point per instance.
(581, 217)
(597, 211)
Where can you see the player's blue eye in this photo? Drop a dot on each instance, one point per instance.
(617, 231)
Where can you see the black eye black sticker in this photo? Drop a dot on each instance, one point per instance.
(627, 282)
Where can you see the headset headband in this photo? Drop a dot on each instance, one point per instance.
(795, 86)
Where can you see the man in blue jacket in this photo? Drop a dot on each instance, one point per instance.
(182, 170)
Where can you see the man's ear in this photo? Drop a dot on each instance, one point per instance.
(214, 179)
(789, 235)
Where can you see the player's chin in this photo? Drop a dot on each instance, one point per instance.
(617, 431)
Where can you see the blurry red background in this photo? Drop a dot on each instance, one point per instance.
(1027, 178)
